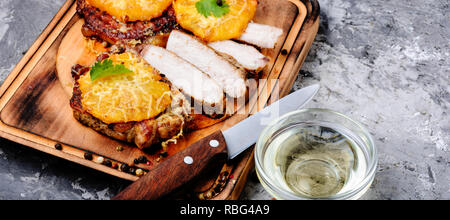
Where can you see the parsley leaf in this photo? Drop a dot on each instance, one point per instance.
(217, 8)
(107, 68)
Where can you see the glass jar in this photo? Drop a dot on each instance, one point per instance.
(315, 154)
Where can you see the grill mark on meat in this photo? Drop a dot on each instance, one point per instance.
(106, 27)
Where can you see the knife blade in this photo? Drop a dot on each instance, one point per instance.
(214, 149)
(237, 143)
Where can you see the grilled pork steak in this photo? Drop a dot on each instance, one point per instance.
(186, 77)
(143, 133)
(194, 51)
(104, 26)
(263, 36)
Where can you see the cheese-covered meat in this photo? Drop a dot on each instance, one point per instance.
(184, 75)
(246, 56)
(143, 133)
(261, 35)
(228, 76)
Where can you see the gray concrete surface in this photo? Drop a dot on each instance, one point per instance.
(383, 63)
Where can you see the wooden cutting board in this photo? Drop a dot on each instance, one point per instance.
(35, 111)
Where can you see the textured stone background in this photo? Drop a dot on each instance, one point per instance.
(384, 63)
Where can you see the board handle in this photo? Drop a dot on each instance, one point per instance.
(178, 170)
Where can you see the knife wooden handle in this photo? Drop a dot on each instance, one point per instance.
(178, 170)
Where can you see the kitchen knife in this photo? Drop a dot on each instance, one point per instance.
(188, 164)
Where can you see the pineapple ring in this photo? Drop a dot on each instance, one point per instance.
(126, 97)
(132, 10)
(210, 28)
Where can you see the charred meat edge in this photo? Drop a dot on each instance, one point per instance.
(104, 26)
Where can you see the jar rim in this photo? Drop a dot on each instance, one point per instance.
(364, 183)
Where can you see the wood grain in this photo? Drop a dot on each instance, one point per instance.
(179, 170)
(35, 111)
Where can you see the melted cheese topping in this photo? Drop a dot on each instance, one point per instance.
(132, 10)
(127, 97)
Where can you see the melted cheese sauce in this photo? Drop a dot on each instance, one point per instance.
(127, 97)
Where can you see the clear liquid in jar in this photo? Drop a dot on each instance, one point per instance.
(315, 161)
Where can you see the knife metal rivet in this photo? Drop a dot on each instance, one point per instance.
(214, 143)
(188, 160)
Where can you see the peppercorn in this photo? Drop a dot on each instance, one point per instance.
(139, 172)
(142, 159)
(58, 146)
(136, 161)
(223, 177)
(131, 170)
(100, 160)
(164, 154)
(124, 167)
(88, 156)
(208, 195)
(218, 188)
(107, 163)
